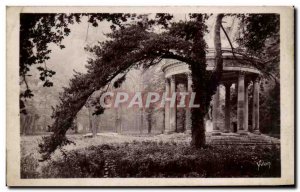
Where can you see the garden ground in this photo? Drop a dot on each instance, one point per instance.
(114, 155)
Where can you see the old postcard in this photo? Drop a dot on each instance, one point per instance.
(150, 96)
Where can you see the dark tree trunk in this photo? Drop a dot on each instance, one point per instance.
(205, 91)
(198, 131)
(198, 128)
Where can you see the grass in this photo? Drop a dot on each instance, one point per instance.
(164, 158)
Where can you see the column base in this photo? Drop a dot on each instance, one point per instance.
(242, 132)
(169, 132)
(188, 131)
(215, 133)
(257, 132)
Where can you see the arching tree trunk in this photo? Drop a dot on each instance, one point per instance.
(119, 59)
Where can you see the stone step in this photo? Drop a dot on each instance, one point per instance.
(234, 139)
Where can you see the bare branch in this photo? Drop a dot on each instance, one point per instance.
(253, 61)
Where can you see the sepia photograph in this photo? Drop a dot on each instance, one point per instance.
(167, 96)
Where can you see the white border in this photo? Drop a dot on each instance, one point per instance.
(287, 82)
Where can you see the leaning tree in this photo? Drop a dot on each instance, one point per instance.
(130, 44)
(138, 44)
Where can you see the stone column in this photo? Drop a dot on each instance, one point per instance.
(246, 108)
(216, 103)
(227, 107)
(255, 106)
(167, 108)
(241, 104)
(188, 115)
(173, 108)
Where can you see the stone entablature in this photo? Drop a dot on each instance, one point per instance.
(172, 67)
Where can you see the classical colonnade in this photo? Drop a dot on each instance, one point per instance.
(241, 86)
(170, 112)
(241, 76)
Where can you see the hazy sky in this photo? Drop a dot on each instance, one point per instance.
(74, 57)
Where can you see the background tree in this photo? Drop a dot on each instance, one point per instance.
(154, 82)
(260, 39)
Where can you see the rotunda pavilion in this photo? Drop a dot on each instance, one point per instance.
(234, 73)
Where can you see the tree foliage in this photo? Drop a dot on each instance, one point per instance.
(261, 40)
(38, 31)
(258, 43)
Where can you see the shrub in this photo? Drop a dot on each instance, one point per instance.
(29, 167)
(152, 159)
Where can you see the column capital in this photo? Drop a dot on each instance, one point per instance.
(247, 82)
(241, 73)
(256, 79)
(189, 75)
(227, 84)
(172, 78)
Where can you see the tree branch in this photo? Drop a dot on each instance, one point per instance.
(217, 72)
(169, 55)
(251, 60)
